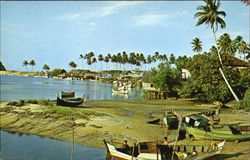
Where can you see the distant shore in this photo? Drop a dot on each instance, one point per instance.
(114, 121)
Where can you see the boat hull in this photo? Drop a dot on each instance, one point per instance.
(201, 134)
(69, 102)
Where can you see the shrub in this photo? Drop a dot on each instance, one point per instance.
(245, 102)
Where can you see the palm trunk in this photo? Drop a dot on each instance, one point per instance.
(221, 71)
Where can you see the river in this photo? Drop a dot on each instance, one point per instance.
(14, 88)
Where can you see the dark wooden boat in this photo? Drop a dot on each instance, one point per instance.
(68, 99)
(171, 119)
(71, 102)
(154, 121)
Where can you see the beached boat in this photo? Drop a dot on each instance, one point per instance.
(68, 99)
(154, 151)
(171, 119)
(217, 132)
(154, 121)
(195, 120)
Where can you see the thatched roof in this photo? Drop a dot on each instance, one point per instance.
(236, 62)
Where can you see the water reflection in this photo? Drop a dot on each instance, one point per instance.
(31, 147)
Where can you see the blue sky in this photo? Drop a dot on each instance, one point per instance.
(55, 33)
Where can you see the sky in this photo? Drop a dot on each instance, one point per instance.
(57, 32)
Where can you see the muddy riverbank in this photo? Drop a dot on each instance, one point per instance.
(114, 121)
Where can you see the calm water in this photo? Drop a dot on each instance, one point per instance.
(31, 147)
(17, 87)
(14, 88)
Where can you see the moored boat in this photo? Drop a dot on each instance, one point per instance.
(171, 119)
(154, 151)
(68, 99)
(217, 132)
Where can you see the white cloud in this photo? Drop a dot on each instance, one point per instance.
(92, 24)
(150, 19)
(97, 12)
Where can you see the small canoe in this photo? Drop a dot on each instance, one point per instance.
(217, 132)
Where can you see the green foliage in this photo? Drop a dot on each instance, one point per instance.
(207, 83)
(165, 77)
(39, 101)
(245, 102)
(20, 103)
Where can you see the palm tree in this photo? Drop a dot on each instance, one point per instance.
(32, 63)
(210, 15)
(46, 67)
(25, 64)
(82, 58)
(196, 45)
(225, 44)
(93, 61)
(100, 58)
(72, 64)
(106, 60)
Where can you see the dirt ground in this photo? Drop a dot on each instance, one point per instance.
(116, 121)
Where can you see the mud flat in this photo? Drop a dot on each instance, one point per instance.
(114, 121)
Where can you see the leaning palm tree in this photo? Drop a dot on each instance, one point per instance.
(25, 64)
(32, 63)
(100, 58)
(210, 15)
(196, 45)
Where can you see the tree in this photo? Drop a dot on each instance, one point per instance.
(100, 58)
(25, 64)
(165, 77)
(72, 64)
(82, 58)
(93, 61)
(210, 15)
(226, 45)
(196, 45)
(32, 63)
(106, 60)
(207, 83)
(172, 59)
(46, 67)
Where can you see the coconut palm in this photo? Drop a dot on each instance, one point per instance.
(196, 45)
(82, 57)
(72, 64)
(100, 58)
(106, 60)
(93, 61)
(210, 15)
(32, 63)
(46, 67)
(25, 64)
(226, 45)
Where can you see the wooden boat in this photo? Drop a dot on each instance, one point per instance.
(154, 151)
(195, 120)
(218, 132)
(154, 121)
(68, 99)
(171, 119)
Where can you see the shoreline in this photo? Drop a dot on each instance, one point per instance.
(114, 121)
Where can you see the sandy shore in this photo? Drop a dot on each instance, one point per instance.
(115, 121)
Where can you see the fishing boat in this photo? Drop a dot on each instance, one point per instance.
(217, 132)
(68, 99)
(154, 151)
(171, 119)
(120, 90)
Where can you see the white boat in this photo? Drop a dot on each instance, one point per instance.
(120, 90)
(153, 151)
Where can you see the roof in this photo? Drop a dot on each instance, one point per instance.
(236, 62)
